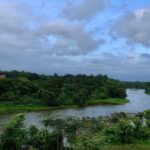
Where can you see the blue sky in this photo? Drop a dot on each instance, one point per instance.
(84, 36)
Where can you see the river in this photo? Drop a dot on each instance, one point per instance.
(139, 102)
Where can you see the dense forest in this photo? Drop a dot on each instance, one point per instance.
(31, 88)
(103, 133)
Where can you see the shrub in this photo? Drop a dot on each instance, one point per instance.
(125, 132)
(147, 114)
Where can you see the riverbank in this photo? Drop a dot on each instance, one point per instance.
(12, 108)
(109, 101)
(148, 93)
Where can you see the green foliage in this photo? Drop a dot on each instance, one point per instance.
(128, 147)
(108, 101)
(80, 98)
(101, 93)
(31, 88)
(8, 97)
(125, 132)
(140, 131)
(47, 97)
(117, 116)
(147, 88)
(138, 85)
(13, 136)
(80, 134)
(135, 85)
(89, 142)
(147, 114)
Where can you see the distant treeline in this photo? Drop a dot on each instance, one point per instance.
(54, 90)
(138, 85)
(135, 85)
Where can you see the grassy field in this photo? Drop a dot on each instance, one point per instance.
(110, 101)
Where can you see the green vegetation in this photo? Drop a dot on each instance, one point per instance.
(147, 89)
(138, 85)
(109, 101)
(120, 131)
(24, 90)
(8, 108)
(11, 107)
(129, 147)
(135, 85)
(19, 108)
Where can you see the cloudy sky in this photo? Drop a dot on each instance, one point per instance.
(84, 36)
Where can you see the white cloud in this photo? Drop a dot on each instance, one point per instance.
(62, 46)
(134, 26)
(19, 36)
(71, 39)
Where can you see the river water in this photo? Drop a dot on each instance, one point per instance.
(139, 102)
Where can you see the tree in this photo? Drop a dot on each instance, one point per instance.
(81, 98)
(47, 97)
(101, 93)
(8, 96)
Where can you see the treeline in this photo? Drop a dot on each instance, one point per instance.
(135, 85)
(147, 88)
(138, 85)
(77, 134)
(55, 90)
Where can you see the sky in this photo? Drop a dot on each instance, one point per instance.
(76, 37)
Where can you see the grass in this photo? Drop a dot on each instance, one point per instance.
(11, 108)
(109, 101)
(128, 147)
(18, 108)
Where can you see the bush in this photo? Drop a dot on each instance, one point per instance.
(89, 142)
(14, 136)
(8, 96)
(147, 114)
(125, 132)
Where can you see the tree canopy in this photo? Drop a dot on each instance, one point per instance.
(25, 88)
